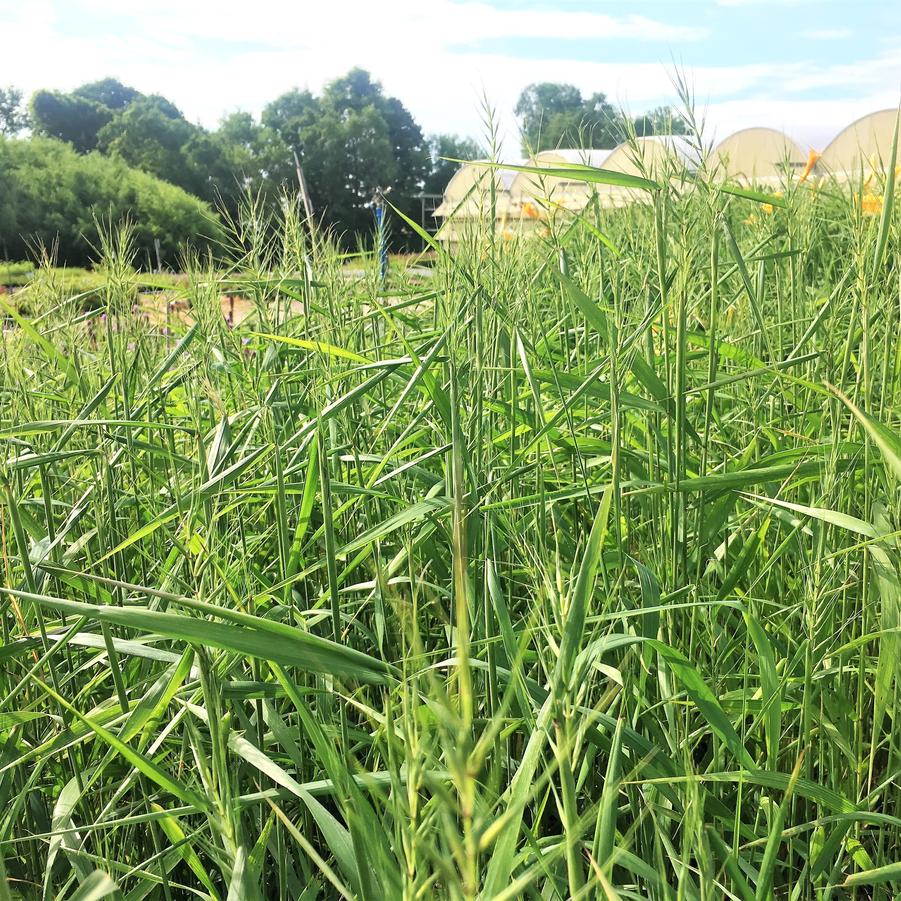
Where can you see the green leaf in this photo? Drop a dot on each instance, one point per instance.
(13, 718)
(247, 635)
(877, 876)
(97, 885)
(579, 173)
(142, 764)
(824, 514)
(61, 837)
(335, 834)
(751, 194)
(885, 439)
(175, 834)
(49, 348)
(579, 600)
(770, 688)
(319, 346)
(695, 686)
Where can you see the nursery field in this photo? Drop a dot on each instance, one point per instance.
(570, 571)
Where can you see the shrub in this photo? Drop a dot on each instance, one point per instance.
(54, 196)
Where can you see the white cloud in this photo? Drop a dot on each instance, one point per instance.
(441, 22)
(212, 58)
(827, 34)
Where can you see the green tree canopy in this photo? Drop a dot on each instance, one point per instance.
(108, 92)
(661, 120)
(557, 115)
(351, 141)
(290, 115)
(70, 118)
(150, 134)
(53, 195)
(241, 155)
(538, 102)
(13, 114)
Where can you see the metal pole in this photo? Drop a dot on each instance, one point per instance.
(380, 236)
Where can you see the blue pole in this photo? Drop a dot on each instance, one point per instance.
(380, 237)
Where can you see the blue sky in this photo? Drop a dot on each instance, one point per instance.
(806, 66)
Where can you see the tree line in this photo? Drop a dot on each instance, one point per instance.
(351, 140)
(553, 115)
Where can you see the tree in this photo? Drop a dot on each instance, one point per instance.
(290, 114)
(352, 140)
(659, 121)
(442, 147)
(538, 103)
(347, 156)
(79, 117)
(108, 92)
(604, 124)
(408, 146)
(557, 115)
(242, 155)
(384, 148)
(354, 91)
(70, 118)
(13, 114)
(150, 134)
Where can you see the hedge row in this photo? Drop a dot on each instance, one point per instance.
(53, 197)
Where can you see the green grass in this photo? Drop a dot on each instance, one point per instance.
(73, 279)
(570, 572)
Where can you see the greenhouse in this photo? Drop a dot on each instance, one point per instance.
(467, 197)
(763, 156)
(862, 148)
(657, 156)
(758, 155)
(534, 195)
(524, 198)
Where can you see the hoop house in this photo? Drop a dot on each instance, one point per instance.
(467, 198)
(763, 156)
(864, 147)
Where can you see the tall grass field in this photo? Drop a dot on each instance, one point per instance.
(566, 570)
